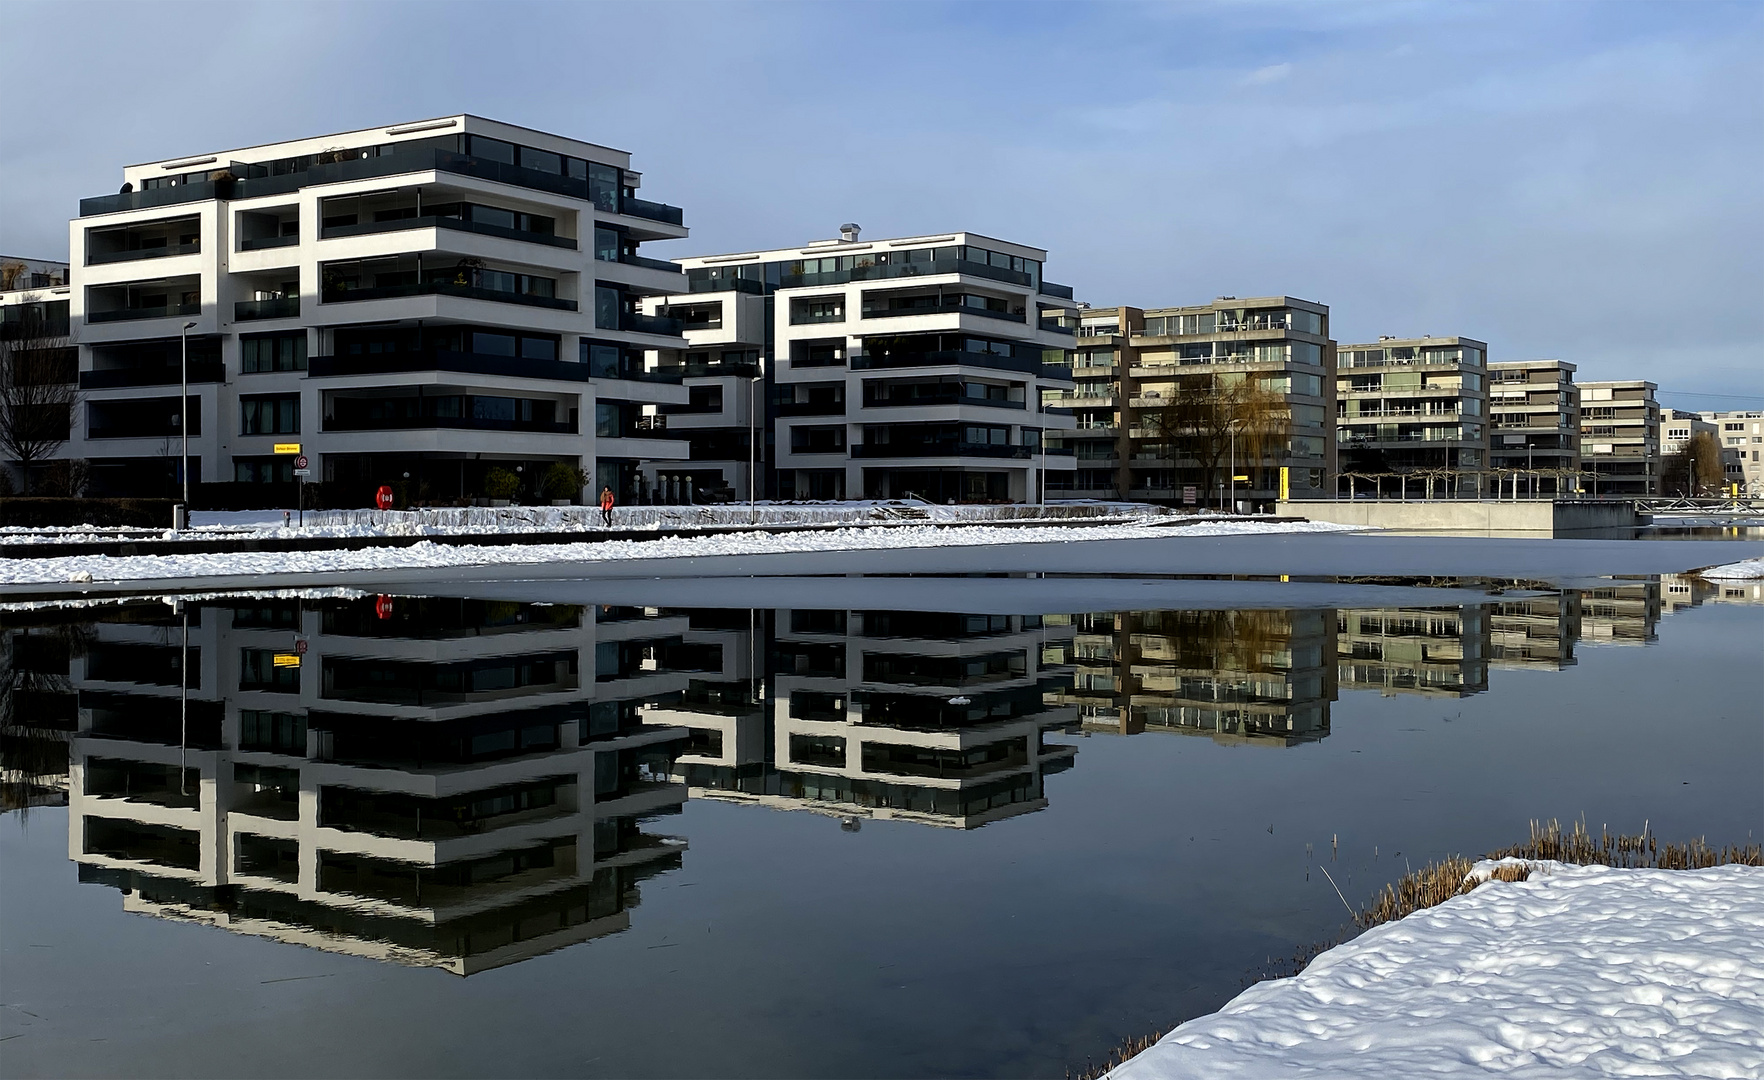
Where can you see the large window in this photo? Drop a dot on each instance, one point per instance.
(272, 352)
(269, 414)
(258, 671)
(263, 470)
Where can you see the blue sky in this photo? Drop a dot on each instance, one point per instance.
(1583, 181)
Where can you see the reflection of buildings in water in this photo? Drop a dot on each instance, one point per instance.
(1436, 652)
(930, 717)
(1534, 632)
(1621, 614)
(1680, 591)
(447, 783)
(1259, 677)
(38, 712)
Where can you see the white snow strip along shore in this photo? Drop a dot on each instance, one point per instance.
(1580, 971)
(1749, 570)
(74, 568)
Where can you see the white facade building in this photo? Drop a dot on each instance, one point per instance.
(891, 368)
(1742, 448)
(416, 305)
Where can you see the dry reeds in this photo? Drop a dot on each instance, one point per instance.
(1438, 882)
(1117, 1056)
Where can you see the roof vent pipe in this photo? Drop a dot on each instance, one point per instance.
(848, 232)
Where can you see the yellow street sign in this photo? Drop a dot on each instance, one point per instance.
(1285, 483)
(1240, 478)
(287, 659)
(287, 448)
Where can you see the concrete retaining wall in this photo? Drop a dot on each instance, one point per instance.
(1488, 517)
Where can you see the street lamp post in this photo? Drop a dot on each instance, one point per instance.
(1530, 473)
(183, 410)
(753, 385)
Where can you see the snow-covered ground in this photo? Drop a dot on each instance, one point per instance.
(1749, 570)
(89, 568)
(1580, 971)
(470, 520)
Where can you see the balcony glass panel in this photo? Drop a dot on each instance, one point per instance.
(287, 307)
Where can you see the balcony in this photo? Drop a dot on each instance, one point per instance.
(319, 367)
(287, 307)
(947, 449)
(445, 288)
(884, 271)
(166, 251)
(451, 423)
(1058, 326)
(201, 371)
(1048, 288)
(714, 369)
(635, 322)
(741, 285)
(369, 228)
(809, 408)
(941, 306)
(265, 242)
(652, 264)
(866, 361)
(632, 206)
(949, 398)
(420, 159)
(165, 311)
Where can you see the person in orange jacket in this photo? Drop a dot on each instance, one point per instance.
(606, 505)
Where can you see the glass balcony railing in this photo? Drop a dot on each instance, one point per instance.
(809, 408)
(475, 364)
(741, 285)
(1064, 292)
(866, 361)
(369, 228)
(637, 323)
(125, 314)
(945, 449)
(652, 264)
(445, 288)
(100, 258)
(883, 271)
(949, 398)
(201, 371)
(454, 423)
(421, 159)
(282, 308)
(942, 307)
(264, 242)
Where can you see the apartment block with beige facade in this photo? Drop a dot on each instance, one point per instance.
(1742, 448)
(1131, 367)
(1534, 420)
(1620, 437)
(1412, 416)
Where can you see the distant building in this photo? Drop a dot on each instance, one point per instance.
(1412, 417)
(1133, 370)
(1436, 653)
(1742, 447)
(1620, 437)
(1534, 422)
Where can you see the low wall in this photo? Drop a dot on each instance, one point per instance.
(1490, 517)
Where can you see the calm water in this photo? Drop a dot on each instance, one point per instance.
(469, 837)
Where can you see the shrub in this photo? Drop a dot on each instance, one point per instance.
(563, 481)
(501, 484)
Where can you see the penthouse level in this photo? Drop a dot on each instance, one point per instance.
(886, 368)
(419, 304)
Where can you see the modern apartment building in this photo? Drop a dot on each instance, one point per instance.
(443, 783)
(1412, 417)
(912, 367)
(40, 365)
(1170, 403)
(1620, 437)
(1534, 427)
(416, 305)
(1742, 447)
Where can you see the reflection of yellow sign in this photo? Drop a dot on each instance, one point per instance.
(287, 659)
(1285, 482)
(287, 448)
(1240, 478)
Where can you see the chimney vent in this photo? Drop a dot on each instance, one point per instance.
(848, 232)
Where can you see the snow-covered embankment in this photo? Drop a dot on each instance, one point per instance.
(1579, 971)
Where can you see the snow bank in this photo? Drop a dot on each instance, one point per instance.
(1749, 570)
(1578, 971)
(428, 555)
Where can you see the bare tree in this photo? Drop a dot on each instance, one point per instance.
(39, 385)
(1212, 414)
(1695, 469)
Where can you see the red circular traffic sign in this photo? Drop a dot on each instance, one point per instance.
(383, 606)
(300, 461)
(383, 497)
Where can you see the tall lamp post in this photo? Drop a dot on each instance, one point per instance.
(184, 408)
(1530, 474)
(753, 385)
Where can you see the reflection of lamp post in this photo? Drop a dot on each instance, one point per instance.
(1530, 474)
(183, 408)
